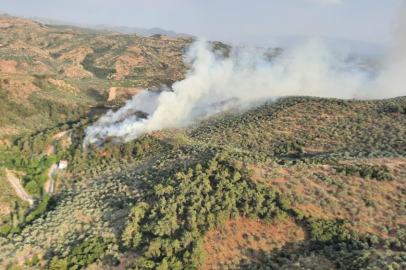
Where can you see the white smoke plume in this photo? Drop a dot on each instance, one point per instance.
(247, 76)
(392, 80)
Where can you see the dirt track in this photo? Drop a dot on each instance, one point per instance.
(15, 182)
(49, 185)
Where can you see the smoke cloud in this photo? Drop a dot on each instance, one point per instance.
(392, 80)
(213, 83)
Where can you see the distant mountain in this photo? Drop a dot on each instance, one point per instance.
(114, 28)
(140, 31)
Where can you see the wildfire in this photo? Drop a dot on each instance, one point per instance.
(104, 153)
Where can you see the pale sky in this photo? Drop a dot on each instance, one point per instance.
(238, 20)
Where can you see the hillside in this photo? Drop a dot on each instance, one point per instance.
(296, 183)
(285, 183)
(45, 71)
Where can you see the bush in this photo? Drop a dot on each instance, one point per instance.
(327, 230)
(5, 229)
(380, 173)
(82, 255)
(40, 210)
(32, 188)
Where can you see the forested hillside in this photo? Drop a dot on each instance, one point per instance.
(293, 183)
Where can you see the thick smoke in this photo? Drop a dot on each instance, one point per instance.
(214, 82)
(392, 80)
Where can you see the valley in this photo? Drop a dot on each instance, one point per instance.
(294, 182)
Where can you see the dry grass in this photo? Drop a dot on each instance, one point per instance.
(246, 238)
(369, 204)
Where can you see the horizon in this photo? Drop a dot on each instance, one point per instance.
(346, 46)
(262, 23)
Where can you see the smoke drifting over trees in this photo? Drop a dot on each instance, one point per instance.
(246, 76)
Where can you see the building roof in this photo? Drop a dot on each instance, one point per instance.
(63, 162)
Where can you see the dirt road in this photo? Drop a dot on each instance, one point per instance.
(49, 185)
(15, 182)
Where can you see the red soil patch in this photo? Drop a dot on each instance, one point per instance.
(5, 25)
(77, 55)
(246, 238)
(135, 49)
(59, 135)
(76, 72)
(392, 163)
(4, 142)
(112, 93)
(133, 61)
(9, 66)
(50, 150)
(121, 94)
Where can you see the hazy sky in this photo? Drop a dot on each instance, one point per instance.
(366, 20)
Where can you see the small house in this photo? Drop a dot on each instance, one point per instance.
(63, 164)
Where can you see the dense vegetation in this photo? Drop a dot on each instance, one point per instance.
(150, 203)
(378, 172)
(89, 63)
(168, 226)
(38, 111)
(10, 204)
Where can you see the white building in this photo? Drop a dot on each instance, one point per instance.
(63, 164)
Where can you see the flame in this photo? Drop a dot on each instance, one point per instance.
(104, 153)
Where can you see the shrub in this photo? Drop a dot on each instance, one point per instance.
(327, 230)
(5, 229)
(380, 173)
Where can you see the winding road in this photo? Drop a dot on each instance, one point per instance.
(15, 182)
(49, 185)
